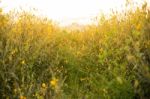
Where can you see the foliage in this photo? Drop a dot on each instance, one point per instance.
(40, 60)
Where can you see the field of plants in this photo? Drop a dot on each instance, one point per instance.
(109, 60)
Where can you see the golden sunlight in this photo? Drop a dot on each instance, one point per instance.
(65, 11)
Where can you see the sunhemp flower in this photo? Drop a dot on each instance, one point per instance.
(22, 97)
(138, 27)
(23, 62)
(54, 82)
(43, 85)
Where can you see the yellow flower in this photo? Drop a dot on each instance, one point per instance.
(23, 62)
(138, 27)
(22, 97)
(43, 85)
(54, 82)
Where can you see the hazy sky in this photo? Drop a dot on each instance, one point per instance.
(65, 11)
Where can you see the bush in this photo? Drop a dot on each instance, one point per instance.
(111, 60)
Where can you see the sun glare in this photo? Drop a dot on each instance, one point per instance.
(65, 11)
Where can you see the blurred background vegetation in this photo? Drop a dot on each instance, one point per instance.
(110, 60)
